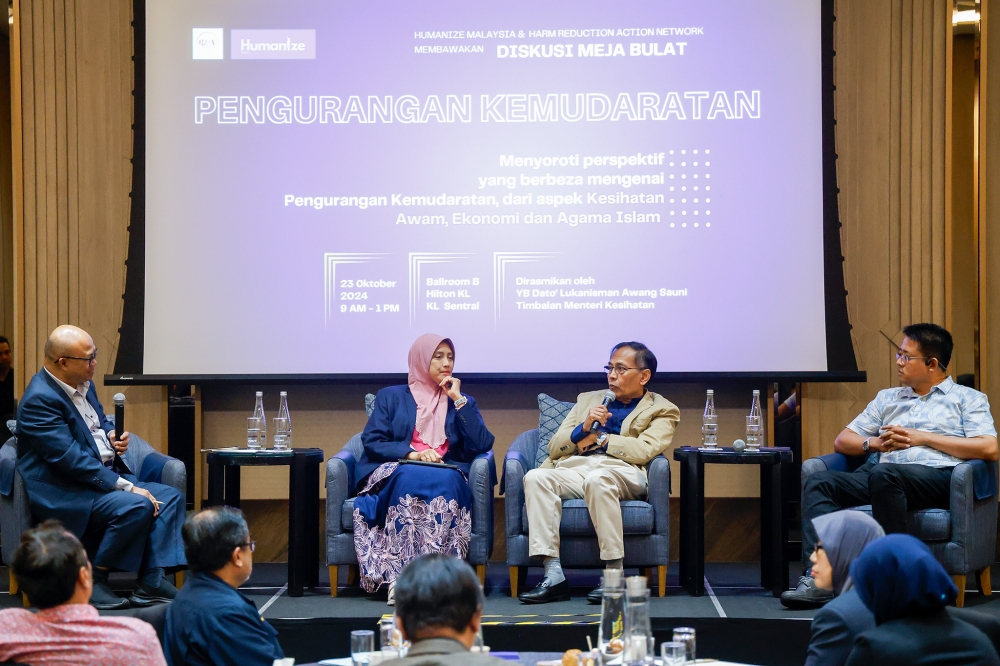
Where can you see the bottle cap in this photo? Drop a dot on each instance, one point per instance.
(711, 392)
(612, 578)
(284, 393)
(635, 585)
(260, 393)
(756, 392)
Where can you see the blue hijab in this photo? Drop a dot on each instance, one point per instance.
(897, 576)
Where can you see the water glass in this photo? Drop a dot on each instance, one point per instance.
(710, 432)
(362, 646)
(686, 636)
(254, 427)
(673, 653)
(282, 431)
(754, 432)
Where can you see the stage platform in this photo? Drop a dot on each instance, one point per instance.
(737, 621)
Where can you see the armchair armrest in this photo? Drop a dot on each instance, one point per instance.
(339, 475)
(973, 520)
(482, 478)
(518, 462)
(658, 474)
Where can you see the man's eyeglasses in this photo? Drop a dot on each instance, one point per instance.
(252, 545)
(906, 358)
(89, 359)
(617, 369)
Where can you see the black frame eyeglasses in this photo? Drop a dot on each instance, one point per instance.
(252, 545)
(618, 370)
(89, 359)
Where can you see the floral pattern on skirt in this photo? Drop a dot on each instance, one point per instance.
(406, 511)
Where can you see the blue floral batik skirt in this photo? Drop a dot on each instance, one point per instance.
(405, 511)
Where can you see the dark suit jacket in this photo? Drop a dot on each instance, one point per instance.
(840, 622)
(211, 624)
(939, 638)
(389, 430)
(834, 628)
(57, 456)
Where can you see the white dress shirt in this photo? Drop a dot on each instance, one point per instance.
(79, 397)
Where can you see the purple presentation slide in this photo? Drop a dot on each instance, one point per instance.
(328, 179)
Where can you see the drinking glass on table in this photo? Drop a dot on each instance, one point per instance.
(282, 430)
(673, 653)
(254, 427)
(686, 636)
(362, 646)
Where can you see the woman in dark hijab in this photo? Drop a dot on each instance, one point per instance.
(842, 537)
(900, 582)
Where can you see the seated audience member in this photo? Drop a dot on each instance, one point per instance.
(602, 467)
(7, 402)
(210, 623)
(914, 436)
(439, 603)
(53, 571)
(70, 461)
(428, 420)
(900, 582)
(842, 537)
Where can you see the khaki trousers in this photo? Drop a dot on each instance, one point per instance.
(601, 480)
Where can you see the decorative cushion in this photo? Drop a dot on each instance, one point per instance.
(370, 403)
(926, 524)
(551, 414)
(637, 518)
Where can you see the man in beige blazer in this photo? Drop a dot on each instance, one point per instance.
(599, 454)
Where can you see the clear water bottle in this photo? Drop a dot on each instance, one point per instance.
(611, 632)
(710, 423)
(257, 425)
(638, 641)
(283, 425)
(755, 424)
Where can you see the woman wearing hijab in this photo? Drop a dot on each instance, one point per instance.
(405, 510)
(900, 582)
(842, 537)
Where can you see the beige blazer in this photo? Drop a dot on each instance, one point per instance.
(646, 432)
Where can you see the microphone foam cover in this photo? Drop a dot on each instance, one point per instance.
(119, 398)
(609, 395)
(739, 445)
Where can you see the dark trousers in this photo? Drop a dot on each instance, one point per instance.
(891, 489)
(123, 534)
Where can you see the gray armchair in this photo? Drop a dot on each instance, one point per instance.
(962, 538)
(340, 496)
(646, 523)
(15, 513)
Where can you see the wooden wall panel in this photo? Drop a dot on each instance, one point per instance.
(891, 77)
(72, 69)
(989, 200)
(6, 198)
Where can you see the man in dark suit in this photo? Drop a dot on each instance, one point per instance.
(70, 461)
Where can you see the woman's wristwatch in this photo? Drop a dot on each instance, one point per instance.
(461, 402)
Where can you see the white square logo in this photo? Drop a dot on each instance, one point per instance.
(206, 44)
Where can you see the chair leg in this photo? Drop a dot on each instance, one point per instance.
(514, 580)
(661, 580)
(960, 584)
(334, 569)
(13, 581)
(352, 574)
(481, 572)
(648, 573)
(178, 579)
(983, 578)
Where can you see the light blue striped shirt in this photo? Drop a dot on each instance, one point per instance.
(947, 409)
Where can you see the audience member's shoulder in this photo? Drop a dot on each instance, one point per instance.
(11, 617)
(130, 624)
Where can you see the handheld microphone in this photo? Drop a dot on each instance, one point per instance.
(609, 396)
(119, 399)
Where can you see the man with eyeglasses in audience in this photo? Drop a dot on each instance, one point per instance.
(70, 460)
(913, 435)
(599, 454)
(210, 623)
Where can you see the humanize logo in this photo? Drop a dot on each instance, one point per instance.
(206, 44)
(273, 44)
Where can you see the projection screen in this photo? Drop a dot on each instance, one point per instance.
(327, 180)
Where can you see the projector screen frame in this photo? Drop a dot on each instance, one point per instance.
(841, 361)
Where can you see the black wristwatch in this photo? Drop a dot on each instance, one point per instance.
(865, 446)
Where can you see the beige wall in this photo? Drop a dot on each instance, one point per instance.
(72, 79)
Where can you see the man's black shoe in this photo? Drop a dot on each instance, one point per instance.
(596, 595)
(102, 598)
(544, 593)
(143, 595)
(806, 596)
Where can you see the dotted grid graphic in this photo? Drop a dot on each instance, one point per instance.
(690, 195)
